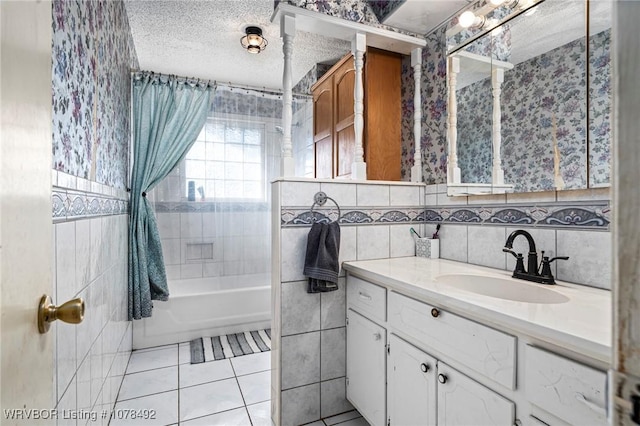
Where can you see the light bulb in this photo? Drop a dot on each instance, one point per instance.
(467, 19)
(496, 2)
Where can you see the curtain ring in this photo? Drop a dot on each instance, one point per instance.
(144, 194)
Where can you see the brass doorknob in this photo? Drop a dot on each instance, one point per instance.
(71, 312)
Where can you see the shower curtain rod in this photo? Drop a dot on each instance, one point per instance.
(215, 83)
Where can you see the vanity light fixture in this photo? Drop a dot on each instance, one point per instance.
(253, 40)
(469, 19)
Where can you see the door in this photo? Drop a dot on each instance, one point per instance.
(463, 402)
(25, 210)
(411, 394)
(366, 375)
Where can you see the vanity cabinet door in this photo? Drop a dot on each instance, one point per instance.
(463, 402)
(411, 392)
(366, 373)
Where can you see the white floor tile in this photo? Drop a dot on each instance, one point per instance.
(148, 359)
(196, 374)
(260, 413)
(237, 417)
(210, 398)
(360, 421)
(148, 382)
(256, 387)
(249, 364)
(164, 406)
(184, 353)
(334, 420)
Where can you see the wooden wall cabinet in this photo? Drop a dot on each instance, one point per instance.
(333, 117)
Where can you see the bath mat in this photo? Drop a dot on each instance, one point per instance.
(229, 345)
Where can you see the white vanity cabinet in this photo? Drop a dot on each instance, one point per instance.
(413, 363)
(463, 402)
(367, 349)
(411, 379)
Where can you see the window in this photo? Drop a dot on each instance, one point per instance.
(227, 161)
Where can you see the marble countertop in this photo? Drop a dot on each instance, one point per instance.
(582, 324)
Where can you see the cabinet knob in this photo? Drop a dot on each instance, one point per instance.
(377, 336)
(442, 378)
(435, 313)
(424, 367)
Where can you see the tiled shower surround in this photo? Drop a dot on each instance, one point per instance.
(90, 241)
(309, 339)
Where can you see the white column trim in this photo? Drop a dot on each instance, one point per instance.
(287, 32)
(358, 47)
(497, 78)
(416, 64)
(453, 171)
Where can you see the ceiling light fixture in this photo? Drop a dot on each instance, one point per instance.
(253, 40)
(469, 19)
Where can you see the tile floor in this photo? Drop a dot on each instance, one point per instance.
(228, 392)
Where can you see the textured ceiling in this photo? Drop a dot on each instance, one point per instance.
(195, 38)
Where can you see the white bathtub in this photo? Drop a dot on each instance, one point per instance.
(207, 307)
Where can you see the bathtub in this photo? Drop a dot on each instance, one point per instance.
(207, 307)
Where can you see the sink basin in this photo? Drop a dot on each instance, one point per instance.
(501, 288)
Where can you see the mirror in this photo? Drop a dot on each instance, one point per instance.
(519, 102)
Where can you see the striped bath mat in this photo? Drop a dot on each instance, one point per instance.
(230, 345)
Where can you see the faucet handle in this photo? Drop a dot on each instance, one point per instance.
(556, 258)
(546, 268)
(508, 250)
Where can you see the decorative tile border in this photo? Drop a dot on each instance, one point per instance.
(208, 207)
(73, 204)
(593, 215)
(352, 216)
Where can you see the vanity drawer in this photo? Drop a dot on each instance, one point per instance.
(366, 298)
(571, 391)
(483, 349)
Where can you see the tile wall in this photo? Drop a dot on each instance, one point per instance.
(231, 242)
(568, 223)
(90, 241)
(308, 330)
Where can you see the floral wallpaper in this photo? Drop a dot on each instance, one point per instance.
(246, 102)
(93, 54)
(433, 86)
(475, 112)
(304, 85)
(384, 8)
(600, 108)
(359, 11)
(528, 162)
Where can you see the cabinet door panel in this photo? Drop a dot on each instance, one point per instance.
(346, 145)
(322, 112)
(463, 402)
(344, 85)
(324, 158)
(411, 395)
(481, 348)
(366, 373)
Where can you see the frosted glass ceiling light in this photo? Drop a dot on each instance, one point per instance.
(253, 40)
(468, 19)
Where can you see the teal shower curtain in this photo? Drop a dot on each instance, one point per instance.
(169, 113)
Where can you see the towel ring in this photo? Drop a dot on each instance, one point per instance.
(320, 199)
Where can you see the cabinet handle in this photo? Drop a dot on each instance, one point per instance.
(592, 406)
(364, 296)
(442, 378)
(377, 336)
(435, 313)
(424, 367)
